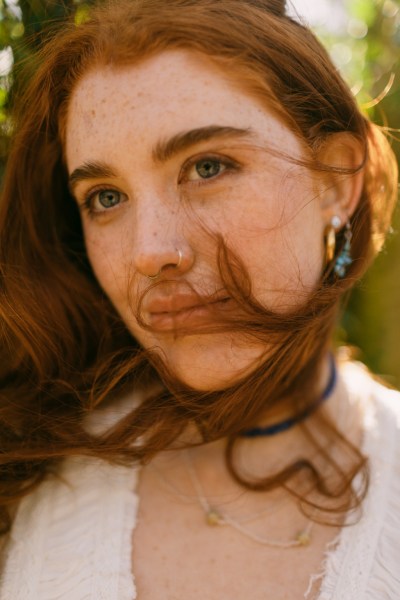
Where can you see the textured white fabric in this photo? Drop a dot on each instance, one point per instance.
(71, 539)
(73, 543)
(365, 561)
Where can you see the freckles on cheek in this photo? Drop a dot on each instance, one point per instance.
(106, 259)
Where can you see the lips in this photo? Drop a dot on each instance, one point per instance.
(170, 312)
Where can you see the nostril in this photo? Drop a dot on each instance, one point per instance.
(172, 265)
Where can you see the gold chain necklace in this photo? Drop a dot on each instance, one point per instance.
(215, 517)
(189, 499)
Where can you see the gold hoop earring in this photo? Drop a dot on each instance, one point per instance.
(330, 238)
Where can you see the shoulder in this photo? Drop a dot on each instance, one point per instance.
(71, 534)
(65, 521)
(365, 562)
(380, 401)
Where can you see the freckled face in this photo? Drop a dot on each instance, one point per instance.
(156, 149)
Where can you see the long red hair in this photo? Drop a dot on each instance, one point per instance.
(64, 350)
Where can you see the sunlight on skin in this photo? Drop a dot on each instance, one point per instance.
(265, 208)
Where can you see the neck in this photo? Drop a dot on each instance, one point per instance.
(276, 451)
(258, 458)
(284, 416)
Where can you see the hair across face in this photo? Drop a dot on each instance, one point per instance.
(65, 346)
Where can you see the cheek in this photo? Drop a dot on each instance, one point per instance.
(280, 244)
(106, 256)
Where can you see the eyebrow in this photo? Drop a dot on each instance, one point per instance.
(162, 152)
(90, 170)
(165, 150)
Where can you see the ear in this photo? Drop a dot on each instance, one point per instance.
(342, 158)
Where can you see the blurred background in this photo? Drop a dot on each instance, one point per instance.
(363, 38)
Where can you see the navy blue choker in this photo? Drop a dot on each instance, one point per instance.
(285, 425)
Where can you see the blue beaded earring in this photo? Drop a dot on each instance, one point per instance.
(344, 260)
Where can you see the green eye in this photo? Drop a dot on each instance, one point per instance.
(208, 168)
(109, 198)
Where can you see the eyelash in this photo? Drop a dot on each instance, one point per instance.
(87, 204)
(228, 164)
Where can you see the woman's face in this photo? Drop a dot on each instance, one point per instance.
(157, 153)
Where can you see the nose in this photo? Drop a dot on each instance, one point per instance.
(161, 247)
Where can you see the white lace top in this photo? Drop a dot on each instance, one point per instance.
(71, 539)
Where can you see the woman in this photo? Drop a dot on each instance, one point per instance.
(190, 193)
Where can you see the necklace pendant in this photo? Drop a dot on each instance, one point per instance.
(213, 517)
(303, 538)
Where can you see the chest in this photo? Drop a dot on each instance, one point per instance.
(176, 555)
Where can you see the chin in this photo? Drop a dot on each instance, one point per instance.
(209, 362)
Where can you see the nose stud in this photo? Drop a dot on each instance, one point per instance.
(175, 265)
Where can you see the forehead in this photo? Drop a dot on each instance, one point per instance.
(177, 90)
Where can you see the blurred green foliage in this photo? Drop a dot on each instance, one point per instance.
(23, 26)
(367, 52)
